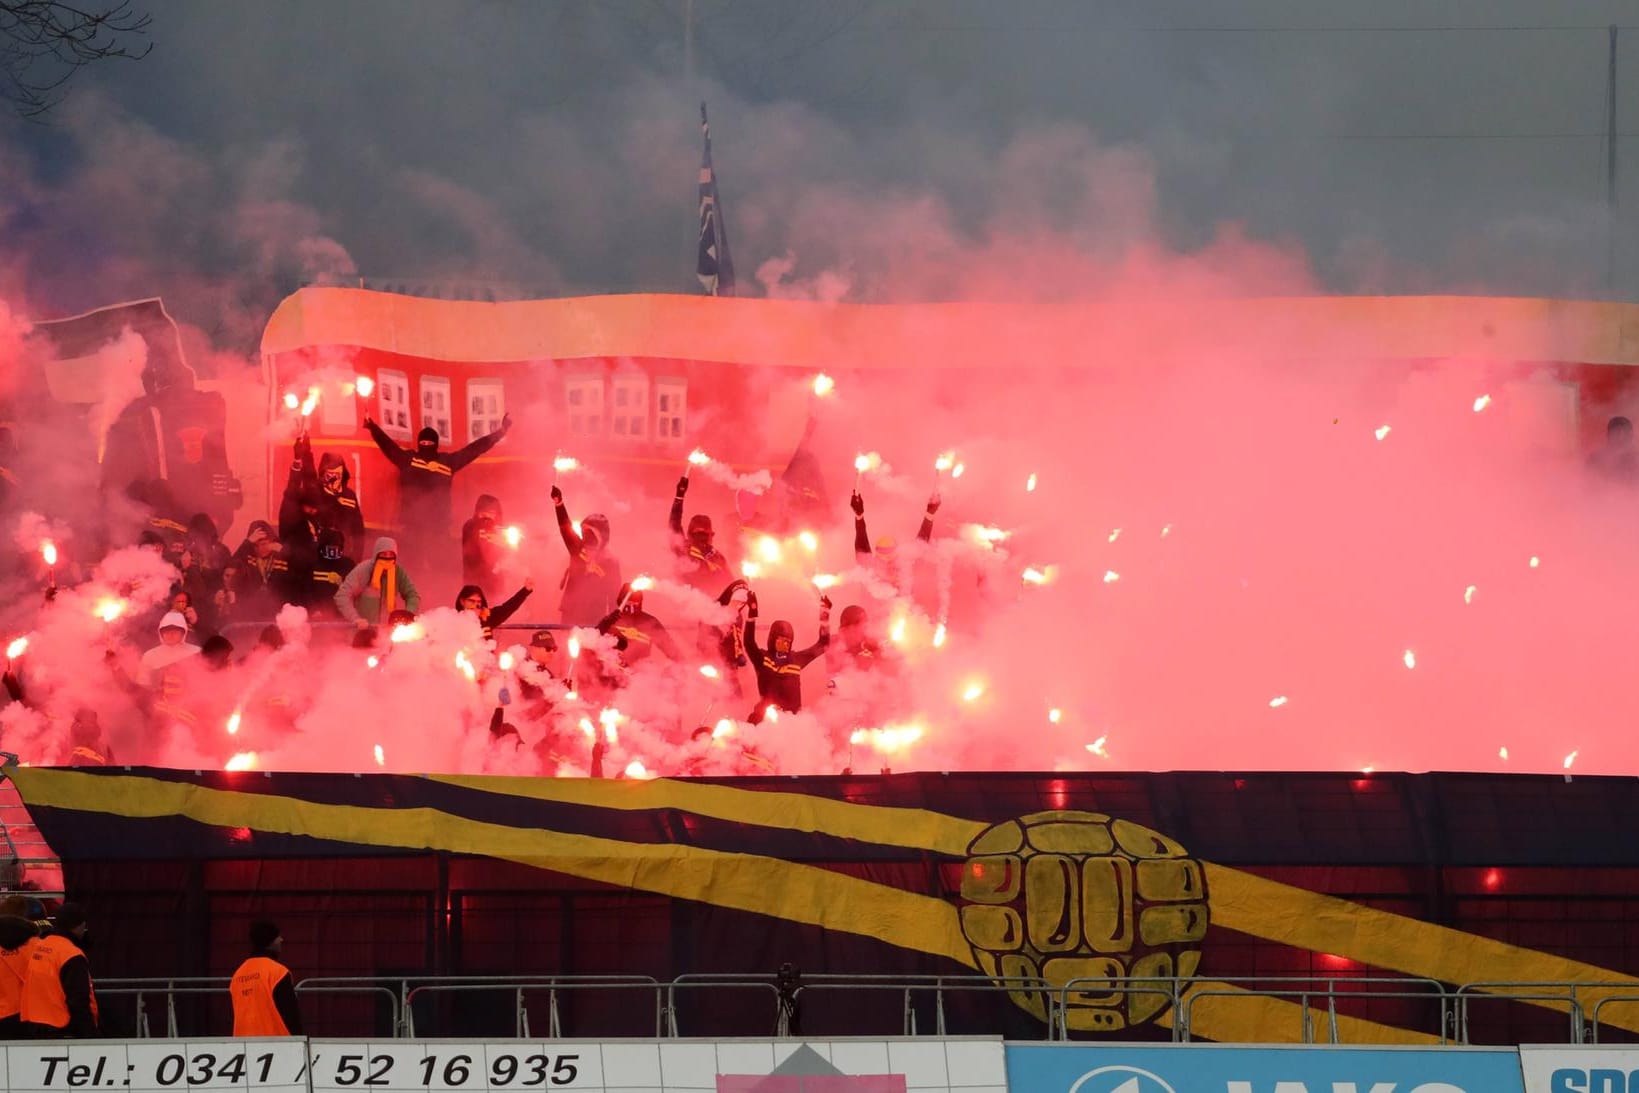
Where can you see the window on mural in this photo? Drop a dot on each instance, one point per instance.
(629, 416)
(393, 404)
(584, 397)
(670, 409)
(436, 410)
(486, 406)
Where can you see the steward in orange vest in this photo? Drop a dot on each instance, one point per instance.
(264, 998)
(58, 999)
(18, 936)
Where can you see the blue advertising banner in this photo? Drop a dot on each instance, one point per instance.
(1210, 1068)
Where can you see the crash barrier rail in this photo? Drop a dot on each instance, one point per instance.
(523, 985)
(1317, 998)
(22, 846)
(253, 628)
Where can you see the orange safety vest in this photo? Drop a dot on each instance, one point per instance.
(43, 1000)
(13, 970)
(254, 1013)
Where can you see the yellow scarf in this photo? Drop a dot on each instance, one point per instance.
(384, 579)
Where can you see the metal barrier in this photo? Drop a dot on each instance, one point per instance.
(1315, 995)
(170, 988)
(522, 985)
(371, 985)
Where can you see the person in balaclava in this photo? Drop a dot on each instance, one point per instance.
(779, 667)
(885, 549)
(700, 565)
(591, 583)
(1618, 460)
(472, 598)
(425, 478)
(481, 543)
(260, 573)
(374, 589)
(856, 648)
(329, 569)
(637, 633)
(329, 485)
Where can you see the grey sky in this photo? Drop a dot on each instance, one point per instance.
(1402, 147)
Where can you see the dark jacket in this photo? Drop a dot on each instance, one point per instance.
(592, 581)
(637, 634)
(480, 551)
(705, 570)
(491, 617)
(779, 681)
(425, 478)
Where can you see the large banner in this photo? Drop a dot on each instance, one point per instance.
(1119, 878)
(1132, 1068)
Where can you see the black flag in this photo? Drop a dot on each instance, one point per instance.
(714, 266)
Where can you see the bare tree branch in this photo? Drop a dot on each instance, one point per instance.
(44, 42)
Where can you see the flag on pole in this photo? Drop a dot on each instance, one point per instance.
(714, 267)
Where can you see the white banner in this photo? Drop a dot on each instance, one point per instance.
(155, 1066)
(1589, 1069)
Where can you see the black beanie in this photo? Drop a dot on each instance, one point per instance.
(263, 935)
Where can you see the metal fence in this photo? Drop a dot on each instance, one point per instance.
(693, 1005)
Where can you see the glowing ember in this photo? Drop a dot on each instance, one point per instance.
(108, 610)
(823, 581)
(698, 458)
(710, 671)
(514, 535)
(372, 662)
(17, 648)
(945, 462)
(1035, 576)
(973, 692)
(1114, 535)
(565, 463)
(1569, 759)
(245, 760)
(1382, 431)
(988, 536)
(465, 665)
(768, 549)
(1030, 484)
(1277, 702)
(1468, 593)
(939, 636)
(956, 471)
(889, 738)
(1111, 576)
(723, 728)
(1097, 747)
(824, 385)
(642, 584)
(505, 661)
(1410, 658)
(571, 696)
(1502, 752)
(233, 723)
(636, 769)
(750, 570)
(809, 541)
(366, 386)
(48, 551)
(1166, 530)
(1535, 561)
(1481, 403)
(574, 647)
(381, 756)
(291, 401)
(1055, 715)
(409, 631)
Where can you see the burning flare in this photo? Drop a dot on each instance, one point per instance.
(889, 738)
(1382, 431)
(48, 551)
(824, 385)
(233, 723)
(505, 661)
(245, 760)
(1097, 747)
(973, 692)
(636, 769)
(939, 636)
(409, 631)
(381, 756)
(310, 403)
(1030, 484)
(513, 535)
(17, 648)
(365, 385)
(710, 671)
(769, 550)
(750, 570)
(945, 462)
(809, 541)
(1055, 715)
(291, 401)
(824, 581)
(1481, 403)
(1410, 658)
(108, 609)
(723, 728)
(565, 463)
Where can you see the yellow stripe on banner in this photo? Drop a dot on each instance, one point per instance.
(744, 882)
(909, 827)
(1231, 1015)
(1326, 924)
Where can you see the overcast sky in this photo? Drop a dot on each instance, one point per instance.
(1385, 146)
